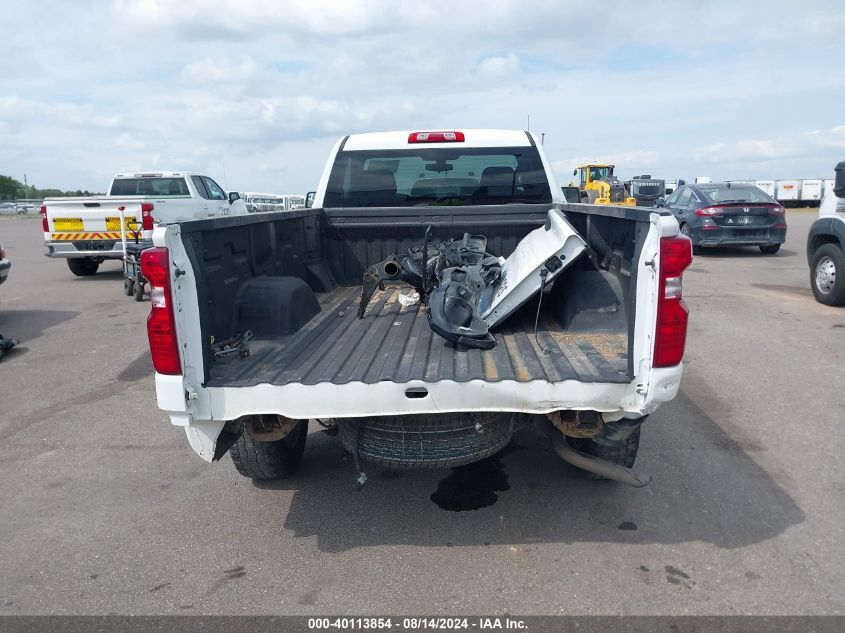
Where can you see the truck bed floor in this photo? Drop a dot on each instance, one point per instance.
(394, 343)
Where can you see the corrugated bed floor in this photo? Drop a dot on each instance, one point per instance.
(395, 343)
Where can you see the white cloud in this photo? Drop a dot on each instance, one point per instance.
(499, 66)
(127, 141)
(220, 69)
(794, 146)
(272, 83)
(14, 109)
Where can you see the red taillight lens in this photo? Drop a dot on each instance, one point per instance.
(672, 313)
(436, 137)
(708, 211)
(777, 210)
(147, 216)
(45, 225)
(161, 326)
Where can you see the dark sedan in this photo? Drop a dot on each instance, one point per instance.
(728, 214)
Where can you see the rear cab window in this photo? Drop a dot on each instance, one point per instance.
(723, 195)
(158, 187)
(437, 176)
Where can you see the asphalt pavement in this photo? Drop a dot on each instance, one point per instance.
(105, 509)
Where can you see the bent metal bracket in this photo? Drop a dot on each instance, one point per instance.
(467, 290)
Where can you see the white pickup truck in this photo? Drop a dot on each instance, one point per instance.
(254, 326)
(826, 245)
(86, 231)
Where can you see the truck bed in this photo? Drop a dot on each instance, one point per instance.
(394, 343)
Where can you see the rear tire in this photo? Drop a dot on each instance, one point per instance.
(139, 291)
(83, 267)
(769, 249)
(128, 287)
(270, 460)
(827, 275)
(696, 249)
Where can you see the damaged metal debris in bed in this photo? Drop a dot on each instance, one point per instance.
(468, 290)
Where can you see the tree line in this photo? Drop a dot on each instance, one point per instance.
(11, 189)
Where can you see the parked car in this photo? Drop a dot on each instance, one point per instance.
(5, 265)
(721, 214)
(392, 388)
(826, 245)
(87, 231)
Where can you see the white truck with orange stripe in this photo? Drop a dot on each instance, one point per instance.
(87, 231)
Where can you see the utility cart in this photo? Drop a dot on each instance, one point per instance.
(133, 245)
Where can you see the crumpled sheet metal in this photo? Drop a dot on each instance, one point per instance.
(468, 291)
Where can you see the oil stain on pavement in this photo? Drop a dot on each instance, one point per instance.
(473, 486)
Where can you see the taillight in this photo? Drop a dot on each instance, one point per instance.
(147, 216)
(672, 313)
(436, 137)
(45, 225)
(777, 210)
(161, 326)
(708, 211)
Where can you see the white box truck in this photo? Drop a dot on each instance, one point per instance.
(788, 192)
(811, 192)
(766, 186)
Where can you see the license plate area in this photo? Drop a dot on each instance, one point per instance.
(95, 245)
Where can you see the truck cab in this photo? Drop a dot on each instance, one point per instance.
(826, 245)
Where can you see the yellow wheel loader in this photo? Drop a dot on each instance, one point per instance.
(599, 186)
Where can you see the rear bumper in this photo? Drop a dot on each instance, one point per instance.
(107, 249)
(737, 236)
(205, 414)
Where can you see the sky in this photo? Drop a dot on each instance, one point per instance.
(255, 94)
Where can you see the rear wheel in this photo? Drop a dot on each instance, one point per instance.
(827, 276)
(128, 287)
(696, 249)
(83, 267)
(270, 460)
(769, 249)
(139, 291)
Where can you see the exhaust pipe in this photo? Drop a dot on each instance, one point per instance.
(590, 463)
